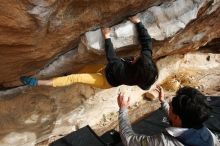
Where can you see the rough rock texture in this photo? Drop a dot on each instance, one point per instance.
(163, 22)
(41, 113)
(170, 30)
(35, 31)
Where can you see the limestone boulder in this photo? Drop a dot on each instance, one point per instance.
(35, 32)
(181, 25)
(41, 115)
(48, 38)
(177, 27)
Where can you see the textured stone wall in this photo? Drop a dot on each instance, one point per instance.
(33, 32)
(177, 27)
(37, 33)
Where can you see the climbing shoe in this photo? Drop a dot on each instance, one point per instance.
(31, 81)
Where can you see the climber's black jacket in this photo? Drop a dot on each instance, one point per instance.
(121, 71)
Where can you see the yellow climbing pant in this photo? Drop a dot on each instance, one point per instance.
(92, 74)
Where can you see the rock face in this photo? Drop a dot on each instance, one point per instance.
(37, 33)
(192, 24)
(167, 23)
(50, 28)
(45, 113)
(34, 32)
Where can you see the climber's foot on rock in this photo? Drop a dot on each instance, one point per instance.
(30, 81)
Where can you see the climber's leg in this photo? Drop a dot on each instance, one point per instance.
(45, 82)
(32, 81)
(95, 79)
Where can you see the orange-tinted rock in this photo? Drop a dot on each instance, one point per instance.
(34, 32)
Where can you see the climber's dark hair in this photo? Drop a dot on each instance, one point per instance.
(191, 106)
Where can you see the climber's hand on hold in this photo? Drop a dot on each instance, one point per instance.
(106, 32)
(134, 19)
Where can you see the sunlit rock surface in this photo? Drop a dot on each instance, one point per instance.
(46, 113)
(186, 49)
(34, 32)
(169, 37)
(161, 21)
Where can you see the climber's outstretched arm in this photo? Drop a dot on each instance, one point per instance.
(109, 49)
(143, 35)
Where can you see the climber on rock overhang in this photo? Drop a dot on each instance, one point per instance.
(139, 70)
